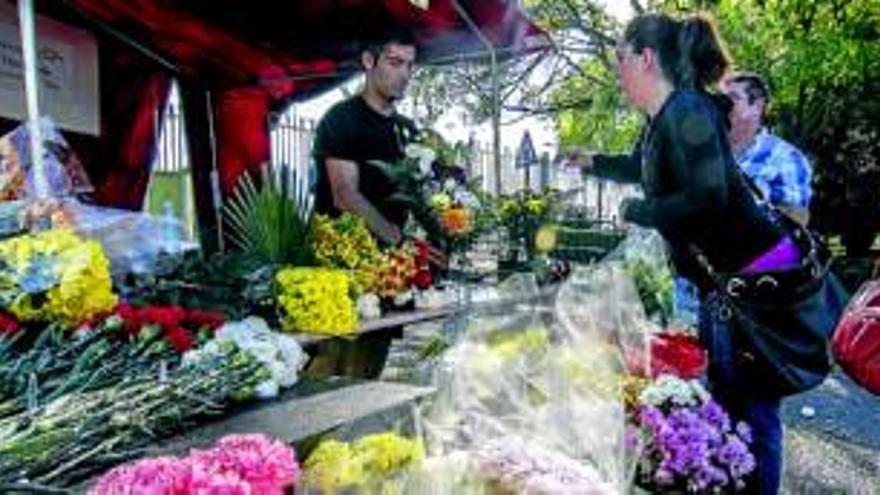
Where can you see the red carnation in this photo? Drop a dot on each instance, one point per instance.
(423, 279)
(179, 338)
(8, 325)
(421, 252)
(670, 353)
(677, 354)
(199, 319)
(165, 317)
(131, 323)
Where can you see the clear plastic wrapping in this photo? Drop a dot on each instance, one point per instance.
(530, 396)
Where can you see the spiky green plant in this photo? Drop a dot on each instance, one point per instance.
(272, 220)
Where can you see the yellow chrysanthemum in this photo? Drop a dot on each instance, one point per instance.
(369, 462)
(316, 300)
(387, 453)
(82, 288)
(332, 466)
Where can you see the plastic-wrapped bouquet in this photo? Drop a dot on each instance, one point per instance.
(514, 373)
(668, 353)
(687, 441)
(517, 466)
(54, 276)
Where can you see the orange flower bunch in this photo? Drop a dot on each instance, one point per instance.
(395, 271)
(456, 220)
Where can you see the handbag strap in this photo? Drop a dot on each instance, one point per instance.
(723, 282)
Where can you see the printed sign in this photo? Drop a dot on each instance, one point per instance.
(68, 73)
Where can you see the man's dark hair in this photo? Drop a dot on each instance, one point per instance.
(397, 35)
(756, 88)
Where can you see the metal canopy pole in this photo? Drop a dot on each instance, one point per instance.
(216, 194)
(31, 84)
(496, 92)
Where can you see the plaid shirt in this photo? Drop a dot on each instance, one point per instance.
(779, 170)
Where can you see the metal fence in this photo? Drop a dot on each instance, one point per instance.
(291, 145)
(171, 153)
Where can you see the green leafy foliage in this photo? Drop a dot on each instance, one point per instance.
(271, 220)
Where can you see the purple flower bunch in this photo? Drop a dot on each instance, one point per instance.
(693, 447)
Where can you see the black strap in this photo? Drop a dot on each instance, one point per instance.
(811, 258)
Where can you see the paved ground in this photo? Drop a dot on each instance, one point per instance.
(832, 433)
(833, 440)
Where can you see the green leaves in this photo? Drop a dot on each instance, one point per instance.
(272, 220)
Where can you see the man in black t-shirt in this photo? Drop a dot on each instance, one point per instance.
(364, 128)
(353, 133)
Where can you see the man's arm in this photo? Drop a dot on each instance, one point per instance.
(345, 185)
(791, 183)
(799, 214)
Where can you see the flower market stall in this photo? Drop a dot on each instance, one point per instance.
(129, 365)
(112, 340)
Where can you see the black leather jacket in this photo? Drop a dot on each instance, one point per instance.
(694, 193)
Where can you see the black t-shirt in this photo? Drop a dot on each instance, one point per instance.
(694, 191)
(353, 131)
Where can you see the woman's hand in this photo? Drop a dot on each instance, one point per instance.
(576, 157)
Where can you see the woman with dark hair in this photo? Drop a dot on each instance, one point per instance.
(696, 197)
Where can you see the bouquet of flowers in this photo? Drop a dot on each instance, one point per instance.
(346, 244)
(435, 189)
(460, 209)
(237, 465)
(77, 431)
(316, 300)
(687, 441)
(279, 353)
(394, 271)
(669, 353)
(179, 327)
(369, 462)
(517, 466)
(524, 213)
(64, 172)
(54, 276)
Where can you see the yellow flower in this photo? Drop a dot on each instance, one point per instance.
(536, 206)
(331, 466)
(83, 287)
(316, 300)
(387, 453)
(336, 465)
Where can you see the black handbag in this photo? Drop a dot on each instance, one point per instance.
(781, 321)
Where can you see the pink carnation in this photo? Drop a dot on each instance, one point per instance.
(237, 465)
(159, 476)
(206, 482)
(259, 460)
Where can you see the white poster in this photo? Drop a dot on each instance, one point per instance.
(68, 59)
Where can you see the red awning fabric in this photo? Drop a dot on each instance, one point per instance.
(254, 58)
(293, 46)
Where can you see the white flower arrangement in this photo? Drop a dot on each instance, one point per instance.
(279, 353)
(425, 156)
(671, 388)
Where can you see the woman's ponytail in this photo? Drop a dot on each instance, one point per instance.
(690, 51)
(703, 60)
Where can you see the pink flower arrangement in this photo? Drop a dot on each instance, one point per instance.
(237, 465)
